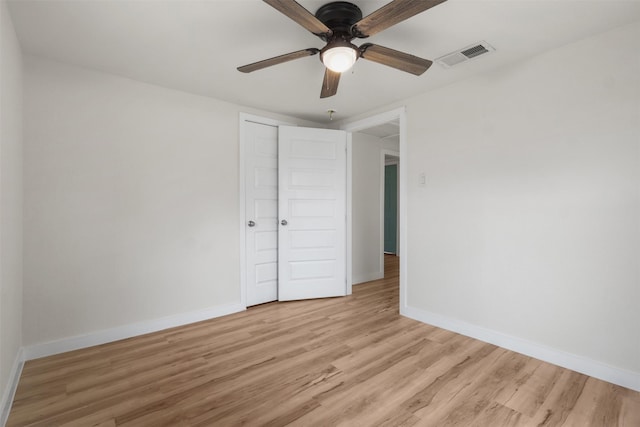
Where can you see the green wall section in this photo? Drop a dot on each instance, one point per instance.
(390, 207)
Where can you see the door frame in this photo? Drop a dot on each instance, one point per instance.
(243, 119)
(399, 114)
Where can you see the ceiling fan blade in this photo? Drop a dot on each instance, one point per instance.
(330, 83)
(390, 14)
(278, 60)
(394, 58)
(302, 16)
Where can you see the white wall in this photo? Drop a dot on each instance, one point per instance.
(10, 206)
(367, 249)
(131, 203)
(529, 224)
(365, 198)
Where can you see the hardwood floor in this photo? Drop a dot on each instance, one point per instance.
(342, 361)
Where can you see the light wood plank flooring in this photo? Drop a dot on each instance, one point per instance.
(345, 361)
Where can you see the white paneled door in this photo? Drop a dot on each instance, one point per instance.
(312, 213)
(261, 212)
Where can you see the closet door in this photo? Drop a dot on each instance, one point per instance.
(312, 213)
(261, 212)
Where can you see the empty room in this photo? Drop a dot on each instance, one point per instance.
(317, 213)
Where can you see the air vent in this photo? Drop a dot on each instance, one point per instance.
(454, 58)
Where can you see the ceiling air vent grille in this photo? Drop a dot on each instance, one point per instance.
(454, 58)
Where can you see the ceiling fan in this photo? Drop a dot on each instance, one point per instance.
(338, 23)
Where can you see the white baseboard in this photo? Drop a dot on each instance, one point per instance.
(593, 368)
(12, 385)
(127, 331)
(367, 277)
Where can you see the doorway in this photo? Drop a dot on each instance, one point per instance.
(390, 199)
(388, 127)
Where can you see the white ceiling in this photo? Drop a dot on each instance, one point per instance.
(195, 46)
(389, 131)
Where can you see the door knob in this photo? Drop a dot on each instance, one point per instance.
(284, 222)
(251, 224)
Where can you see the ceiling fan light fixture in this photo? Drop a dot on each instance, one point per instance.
(337, 23)
(339, 57)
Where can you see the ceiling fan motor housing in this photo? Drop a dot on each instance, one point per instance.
(340, 17)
